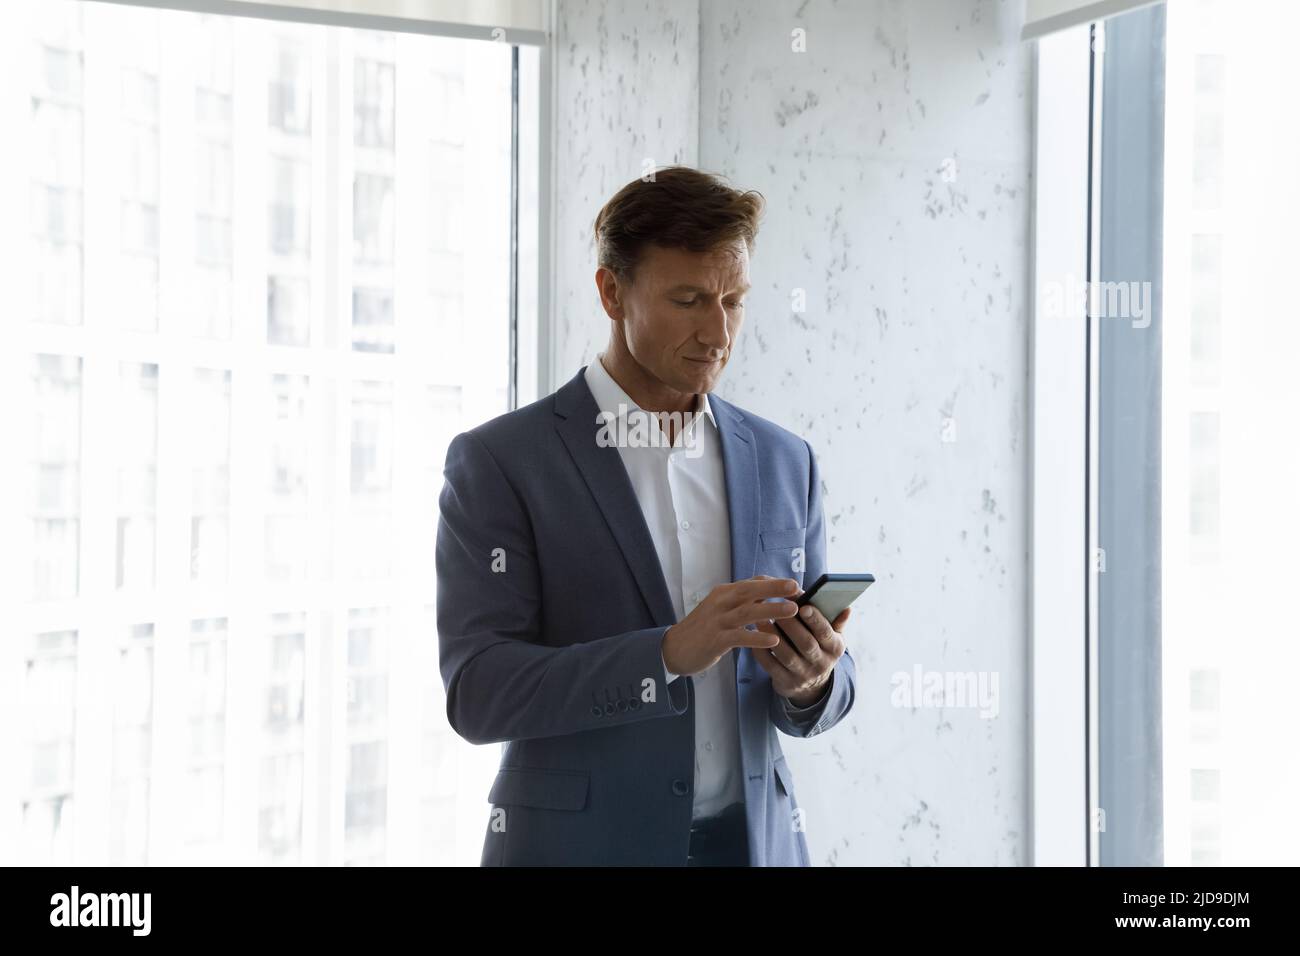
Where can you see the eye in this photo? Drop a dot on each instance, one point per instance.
(738, 304)
(685, 303)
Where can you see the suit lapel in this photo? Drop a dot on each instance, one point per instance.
(744, 500)
(602, 469)
(740, 464)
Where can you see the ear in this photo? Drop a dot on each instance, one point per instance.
(608, 290)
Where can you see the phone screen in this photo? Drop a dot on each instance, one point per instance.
(831, 597)
(834, 596)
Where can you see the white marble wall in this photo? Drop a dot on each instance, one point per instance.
(627, 94)
(895, 156)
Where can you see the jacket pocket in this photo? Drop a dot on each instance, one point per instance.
(786, 824)
(547, 789)
(784, 781)
(782, 540)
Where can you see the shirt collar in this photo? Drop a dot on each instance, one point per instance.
(610, 395)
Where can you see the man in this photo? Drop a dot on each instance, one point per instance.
(611, 561)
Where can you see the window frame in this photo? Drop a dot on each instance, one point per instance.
(102, 348)
(1059, 592)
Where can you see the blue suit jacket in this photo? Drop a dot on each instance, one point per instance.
(552, 608)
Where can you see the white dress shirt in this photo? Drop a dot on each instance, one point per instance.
(683, 496)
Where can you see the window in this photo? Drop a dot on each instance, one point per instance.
(1229, 508)
(260, 278)
(1190, 459)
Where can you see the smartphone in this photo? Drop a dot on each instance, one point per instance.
(831, 594)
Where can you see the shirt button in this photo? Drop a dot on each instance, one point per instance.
(708, 745)
(686, 526)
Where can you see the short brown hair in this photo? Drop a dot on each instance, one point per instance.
(681, 208)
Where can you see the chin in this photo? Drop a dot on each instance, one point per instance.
(702, 378)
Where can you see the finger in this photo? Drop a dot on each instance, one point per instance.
(799, 636)
(783, 682)
(791, 660)
(774, 668)
(760, 588)
(816, 622)
(835, 645)
(757, 611)
(758, 640)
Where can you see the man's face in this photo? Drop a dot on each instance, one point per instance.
(682, 313)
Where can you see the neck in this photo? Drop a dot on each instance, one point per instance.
(643, 388)
(648, 392)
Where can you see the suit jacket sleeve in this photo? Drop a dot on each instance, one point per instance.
(830, 710)
(504, 680)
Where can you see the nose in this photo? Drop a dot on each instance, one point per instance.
(713, 331)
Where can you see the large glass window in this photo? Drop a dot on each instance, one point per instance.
(236, 344)
(1195, 342)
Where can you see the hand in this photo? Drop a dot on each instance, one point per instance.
(801, 677)
(718, 623)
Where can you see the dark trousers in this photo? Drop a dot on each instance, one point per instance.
(720, 840)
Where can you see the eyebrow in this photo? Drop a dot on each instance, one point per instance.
(697, 288)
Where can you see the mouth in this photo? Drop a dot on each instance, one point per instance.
(703, 361)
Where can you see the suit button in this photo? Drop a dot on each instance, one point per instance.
(622, 706)
(609, 709)
(597, 712)
(681, 788)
